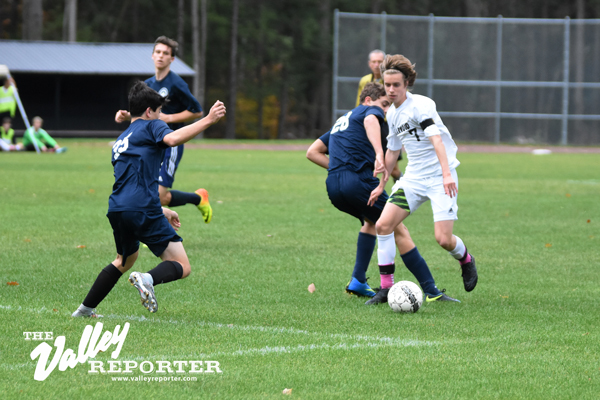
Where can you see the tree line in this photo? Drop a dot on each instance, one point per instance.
(270, 60)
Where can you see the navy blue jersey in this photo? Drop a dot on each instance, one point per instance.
(178, 92)
(136, 158)
(325, 139)
(349, 147)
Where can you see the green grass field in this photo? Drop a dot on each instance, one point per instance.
(528, 331)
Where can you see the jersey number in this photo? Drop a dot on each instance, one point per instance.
(342, 123)
(121, 145)
(413, 131)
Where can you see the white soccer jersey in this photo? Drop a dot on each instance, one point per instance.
(410, 125)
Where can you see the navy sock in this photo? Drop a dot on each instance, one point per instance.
(182, 198)
(364, 250)
(418, 267)
(106, 280)
(166, 271)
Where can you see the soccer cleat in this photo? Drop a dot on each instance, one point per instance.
(442, 296)
(146, 290)
(380, 297)
(359, 289)
(469, 274)
(80, 313)
(61, 150)
(204, 205)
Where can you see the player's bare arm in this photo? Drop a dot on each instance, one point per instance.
(317, 153)
(187, 133)
(440, 150)
(391, 157)
(122, 116)
(374, 134)
(184, 116)
(389, 163)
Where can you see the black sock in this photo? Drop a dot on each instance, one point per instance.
(419, 268)
(166, 271)
(182, 198)
(364, 250)
(106, 280)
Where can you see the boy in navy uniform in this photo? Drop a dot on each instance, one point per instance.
(134, 208)
(355, 159)
(182, 107)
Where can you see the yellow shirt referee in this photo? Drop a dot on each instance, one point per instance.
(375, 59)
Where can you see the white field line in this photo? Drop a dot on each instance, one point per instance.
(243, 328)
(255, 351)
(360, 341)
(588, 182)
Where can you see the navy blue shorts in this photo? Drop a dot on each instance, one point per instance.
(349, 192)
(169, 166)
(132, 227)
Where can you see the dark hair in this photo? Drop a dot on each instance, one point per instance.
(169, 42)
(372, 89)
(6, 120)
(141, 97)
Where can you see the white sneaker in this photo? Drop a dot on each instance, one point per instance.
(81, 313)
(146, 290)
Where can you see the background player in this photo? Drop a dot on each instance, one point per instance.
(44, 141)
(375, 60)
(134, 209)
(430, 174)
(181, 107)
(354, 152)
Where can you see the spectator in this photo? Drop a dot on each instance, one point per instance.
(8, 103)
(44, 141)
(375, 60)
(7, 136)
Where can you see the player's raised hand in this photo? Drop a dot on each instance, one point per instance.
(450, 186)
(122, 116)
(217, 111)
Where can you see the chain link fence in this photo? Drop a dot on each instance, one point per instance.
(498, 80)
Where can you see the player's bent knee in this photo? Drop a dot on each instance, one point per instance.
(444, 241)
(383, 228)
(187, 270)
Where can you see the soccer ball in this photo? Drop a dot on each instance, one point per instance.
(405, 296)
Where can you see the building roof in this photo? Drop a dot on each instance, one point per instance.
(45, 57)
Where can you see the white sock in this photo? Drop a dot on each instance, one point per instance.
(459, 250)
(386, 249)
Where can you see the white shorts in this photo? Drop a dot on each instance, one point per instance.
(410, 193)
(5, 145)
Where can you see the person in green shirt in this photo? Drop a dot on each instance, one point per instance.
(44, 141)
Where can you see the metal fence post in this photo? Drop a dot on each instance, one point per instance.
(498, 79)
(383, 30)
(430, 45)
(336, 38)
(565, 111)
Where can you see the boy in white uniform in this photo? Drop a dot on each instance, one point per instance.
(429, 175)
